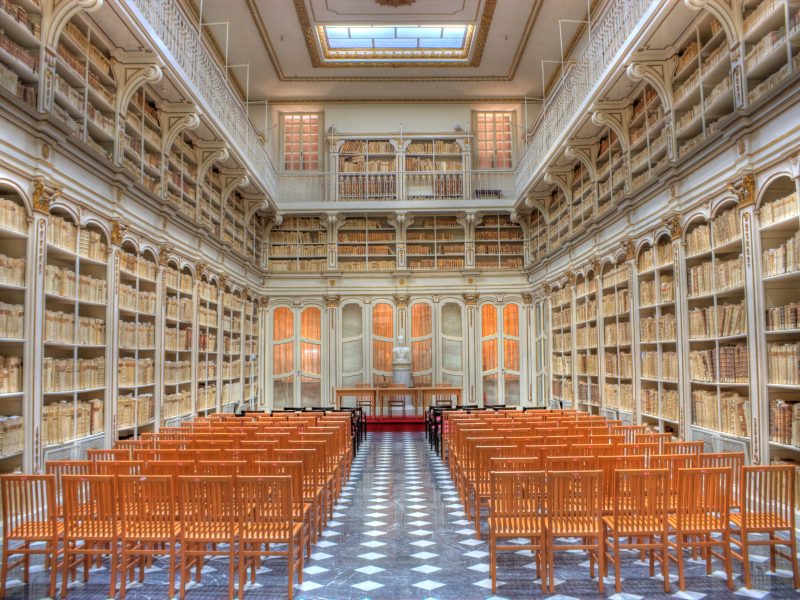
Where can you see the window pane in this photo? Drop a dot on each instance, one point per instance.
(488, 320)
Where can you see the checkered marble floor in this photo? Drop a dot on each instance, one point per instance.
(400, 532)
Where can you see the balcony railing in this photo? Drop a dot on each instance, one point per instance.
(573, 95)
(295, 188)
(179, 38)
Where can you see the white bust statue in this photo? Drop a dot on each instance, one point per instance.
(401, 354)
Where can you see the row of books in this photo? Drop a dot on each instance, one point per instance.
(10, 374)
(65, 283)
(587, 364)
(618, 365)
(370, 146)
(231, 369)
(731, 319)
(779, 209)
(495, 235)
(231, 323)
(784, 422)
(669, 403)
(726, 227)
(783, 363)
(178, 281)
(59, 327)
(177, 372)
(207, 342)
(435, 147)
(617, 334)
(137, 336)
(588, 393)
(180, 310)
(138, 266)
(177, 340)
(698, 240)
(666, 368)
(561, 318)
(585, 286)
(562, 389)
(206, 397)
(618, 396)
(207, 291)
(729, 365)
(662, 328)
(12, 435)
(586, 311)
(136, 372)
(133, 411)
(206, 369)
(13, 216)
(665, 288)
(783, 317)
(617, 303)
(12, 271)
(586, 337)
(231, 345)
(232, 301)
(562, 296)
(12, 322)
(306, 251)
(783, 259)
(207, 317)
(617, 277)
(175, 405)
(68, 374)
(562, 365)
(495, 248)
(66, 421)
(715, 276)
(291, 266)
(141, 301)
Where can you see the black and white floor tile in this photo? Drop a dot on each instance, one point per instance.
(399, 531)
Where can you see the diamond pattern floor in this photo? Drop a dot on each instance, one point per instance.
(400, 532)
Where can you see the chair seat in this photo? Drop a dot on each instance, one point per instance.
(634, 525)
(208, 532)
(96, 531)
(698, 524)
(573, 526)
(759, 521)
(515, 526)
(149, 532)
(36, 530)
(266, 531)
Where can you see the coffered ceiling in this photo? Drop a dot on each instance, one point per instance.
(279, 40)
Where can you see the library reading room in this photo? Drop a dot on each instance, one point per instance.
(399, 299)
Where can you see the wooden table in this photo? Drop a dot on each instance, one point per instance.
(420, 396)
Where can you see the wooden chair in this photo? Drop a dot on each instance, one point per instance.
(767, 498)
(628, 431)
(702, 510)
(574, 509)
(118, 467)
(91, 528)
(29, 516)
(684, 447)
(266, 517)
(654, 438)
(516, 510)
(733, 460)
(639, 514)
(220, 467)
(609, 465)
(59, 468)
(100, 454)
(147, 525)
(208, 516)
(302, 510)
(366, 401)
(479, 486)
(673, 463)
(570, 463)
(395, 401)
(173, 468)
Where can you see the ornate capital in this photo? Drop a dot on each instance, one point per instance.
(43, 194)
(594, 263)
(629, 248)
(570, 277)
(470, 298)
(332, 301)
(263, 301)
(163, 254)
(527, 298)
(673, 223)
(745, 190)
(118, 230)
(401, 300)
(200, 267)
(547, 289)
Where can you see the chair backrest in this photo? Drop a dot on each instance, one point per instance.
(515, 494)
(291, 468)
(767, 495)
(59, 468)
(220, 467)
(28, 498)
(628, 431)
(265, 503)
(146, 506)
(206, 507)
(734, 460)
(108, 454)
(118, 467)
(575, 495)
(641, 494)
(702, 491)
(90, 506)
(683, 447)
(514, 463)
(173, 468)
(570, 463)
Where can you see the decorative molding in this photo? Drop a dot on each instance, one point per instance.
(527, 298)
(332, 301)
(673, 223)
(629, 248)
(470, 298)
(745, 190)
(163, 254)
(395, 3)
(44, 194)
(402, 300)
(118, 230)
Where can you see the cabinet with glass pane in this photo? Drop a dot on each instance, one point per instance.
(499, 348)
(296, 362)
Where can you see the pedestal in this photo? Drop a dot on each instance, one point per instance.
(401, 375)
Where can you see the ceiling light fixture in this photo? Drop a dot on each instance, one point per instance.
(395, 3)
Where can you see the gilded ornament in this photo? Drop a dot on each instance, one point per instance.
(332, 301)
(45, 151)
(745, 190)
(118, 232)
(527, 298)
(470, 299)
(629, 248)
(401, 301)
(43, 196)
(673, 223)
(395, 3)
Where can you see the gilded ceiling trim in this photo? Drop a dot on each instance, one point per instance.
(465, 100)
(308, 35)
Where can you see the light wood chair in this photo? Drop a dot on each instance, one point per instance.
(570, 463)
(733, 460)
(702, 510)
(673, 463)
(516, 510)
(301, 509)
(59, 468)
(29, 516)
(639, 514)
(479, 486)
(574, 509)
(767, 498)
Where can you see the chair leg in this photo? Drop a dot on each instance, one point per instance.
(242, 569)
(617, 583)
(746, 560)
(679, 555)
(4, 570)
(493, 560)
(172, 569)
(726, 546)
(793, 554)
(665, 562)
(601, 563)
(291, 570)
(53, 557)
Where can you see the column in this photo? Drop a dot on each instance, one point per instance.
(673, 223)
(112, 324)
(472, 369)
(526, 348)
(161, 308)
(636, 357)
(330, 347)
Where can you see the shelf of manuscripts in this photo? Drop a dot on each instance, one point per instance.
(583, 198)
(136, 363)
(13, 257)
(435, 242)
(210, 200)
(558, 220)
(20, 41)
(562, 344)
(74, 331)
(181, 176)
(649, 136)
(233, 226)
(208, 345)
(717, 346)
(617, 337)
(367, 170)
(611, 171)
(658, 335)
(779, 229)
(586, 342)
(141, 140)
(366, 243)
(538, 233)
(298, 245)
(250, 356)
(499, 243)
(179, 318)
(434, 169)
(232, 349)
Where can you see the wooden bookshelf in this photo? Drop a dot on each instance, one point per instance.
(435, 242)
(298, 245)
(771, 36)
(617, 306)
(541, 308)
(232, 349)
(13, 282)
(658, 336)
(561, 322)
(208, 345)
(717, 348)
(20, 42)
(366, 170)
(252, 383)
(583, 198)
(142, 140)
(538, 235)
(779, 228)
(610, 172)
(233, 226)
(75, 334)
(136, 361)
(586, 342)
(499, 243)
(434, 169)
(649, 136)
(210, 200)
(181, 176)
(559, 220)
(367, 243)
(178, 347)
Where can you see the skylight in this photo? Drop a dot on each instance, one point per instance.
(389, 43)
